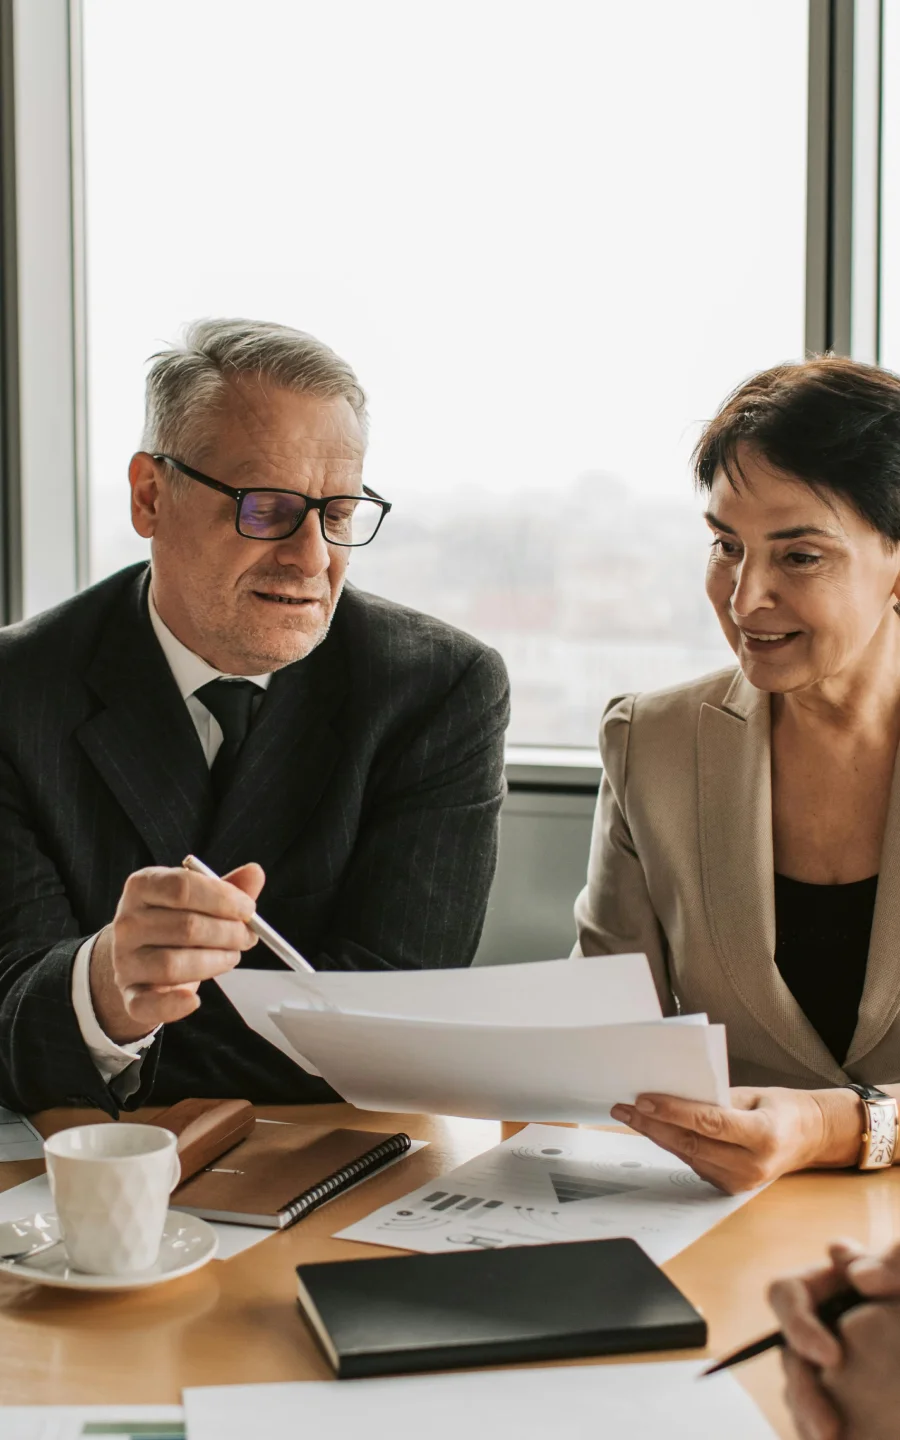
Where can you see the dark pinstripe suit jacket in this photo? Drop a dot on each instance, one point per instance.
(368, 788)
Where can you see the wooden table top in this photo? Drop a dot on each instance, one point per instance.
(236, 1321)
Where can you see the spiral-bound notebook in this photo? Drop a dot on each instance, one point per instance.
(282, 1172)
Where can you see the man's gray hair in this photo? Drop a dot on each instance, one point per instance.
(187, 384)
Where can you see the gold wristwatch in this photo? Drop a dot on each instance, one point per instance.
(880, 1133)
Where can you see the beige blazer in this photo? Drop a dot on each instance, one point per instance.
(681, 868)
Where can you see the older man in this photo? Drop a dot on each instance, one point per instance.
(233, 699)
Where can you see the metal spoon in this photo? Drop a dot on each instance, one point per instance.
(15, 1255)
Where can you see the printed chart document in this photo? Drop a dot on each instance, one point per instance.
(18, 1138)
(585, 1402)
(554, 1040)
(551, 1184)
(79, 1422)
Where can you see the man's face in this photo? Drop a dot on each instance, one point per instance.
(250, 606)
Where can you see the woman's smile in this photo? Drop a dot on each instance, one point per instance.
(764, 642)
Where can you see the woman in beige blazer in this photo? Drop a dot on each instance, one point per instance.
(747, 836)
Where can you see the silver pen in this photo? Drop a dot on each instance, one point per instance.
(258, 925)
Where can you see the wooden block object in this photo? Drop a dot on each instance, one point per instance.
(206, 1129)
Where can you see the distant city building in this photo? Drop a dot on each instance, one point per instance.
(593, 592)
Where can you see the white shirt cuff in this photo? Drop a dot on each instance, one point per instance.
(110, 1059)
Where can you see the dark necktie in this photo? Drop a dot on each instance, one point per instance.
(231, 702)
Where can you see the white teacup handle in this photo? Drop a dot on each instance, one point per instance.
(176, 1171)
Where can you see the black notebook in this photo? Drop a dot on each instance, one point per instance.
(487, 1307)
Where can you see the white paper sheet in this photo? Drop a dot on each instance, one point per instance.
(78, 1422)
(254, 992)
(612, 990)
(18, 1138)
(556, 1040)
(547, 1184)
(584, 1402)
(506, 1072)
(34, 1197)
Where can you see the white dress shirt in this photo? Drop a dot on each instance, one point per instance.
(190, 674)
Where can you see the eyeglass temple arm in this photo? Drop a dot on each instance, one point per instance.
(193, 474)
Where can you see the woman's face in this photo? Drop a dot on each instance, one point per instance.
(802, 585)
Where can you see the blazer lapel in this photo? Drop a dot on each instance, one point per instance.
(880, 1003)
(735, 807)
(143, 741)
(285, 763)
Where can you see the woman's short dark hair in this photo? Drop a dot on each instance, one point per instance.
(830, 422)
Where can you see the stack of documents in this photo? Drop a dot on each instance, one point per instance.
(78, 1422)
(644, 1402)
(555, 1040)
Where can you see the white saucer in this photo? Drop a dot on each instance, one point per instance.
(187, 1243)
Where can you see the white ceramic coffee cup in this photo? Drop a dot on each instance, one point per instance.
(111, 1187)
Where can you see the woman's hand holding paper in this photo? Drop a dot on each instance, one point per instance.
(764, 1133)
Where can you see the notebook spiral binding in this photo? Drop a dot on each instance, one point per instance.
(342, 1179)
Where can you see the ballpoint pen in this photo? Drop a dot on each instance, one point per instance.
(258, 925)
(829, 1312)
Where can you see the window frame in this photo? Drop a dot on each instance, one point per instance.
(44, 343)
(43, 326)
(10, 580)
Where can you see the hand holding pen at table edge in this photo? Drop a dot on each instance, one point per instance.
(843, 1383)
(173, 928)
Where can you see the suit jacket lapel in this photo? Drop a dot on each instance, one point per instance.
(880, 1003)
(143, 741)
(735, 806)
(285, 763)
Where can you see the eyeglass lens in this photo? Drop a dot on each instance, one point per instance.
(269, 515)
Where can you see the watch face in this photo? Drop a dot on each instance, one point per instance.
(883, 1133)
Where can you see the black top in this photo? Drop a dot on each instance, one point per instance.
(821, 948)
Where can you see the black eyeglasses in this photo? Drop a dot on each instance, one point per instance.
(276, 514)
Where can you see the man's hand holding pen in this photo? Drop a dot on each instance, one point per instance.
(172, 929)
(843, 1384)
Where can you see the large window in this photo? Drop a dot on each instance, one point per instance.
(549, 237)
(890, 189)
